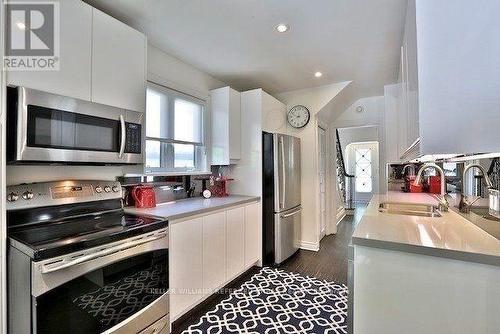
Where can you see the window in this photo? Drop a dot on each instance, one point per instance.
(174, 131)
(450, 169)
(363, 170)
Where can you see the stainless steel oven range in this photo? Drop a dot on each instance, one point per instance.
(50, 128)
(78, 264)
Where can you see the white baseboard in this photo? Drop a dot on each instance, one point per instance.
(340, 215)
(310, 246)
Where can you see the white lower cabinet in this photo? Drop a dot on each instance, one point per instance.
(235, 233)
(208, 251)
(214, 251)
(252, 234)
(185, 265)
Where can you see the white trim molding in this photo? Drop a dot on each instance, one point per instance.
(340, 215)
(310, 246)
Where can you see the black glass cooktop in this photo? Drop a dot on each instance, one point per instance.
(55, 238)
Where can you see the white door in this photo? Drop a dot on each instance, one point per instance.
(363, 162)
(322, 180)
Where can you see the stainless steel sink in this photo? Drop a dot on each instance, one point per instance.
(484, 212)
(410, 209)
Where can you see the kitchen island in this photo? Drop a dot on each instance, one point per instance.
(418, 274)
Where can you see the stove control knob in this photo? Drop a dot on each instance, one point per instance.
(27, 195)
(107, 189)
(98, 189)
(116, 189)
(12, 197)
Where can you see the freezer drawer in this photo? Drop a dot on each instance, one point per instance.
(287, 231)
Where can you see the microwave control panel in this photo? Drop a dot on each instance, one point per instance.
(133, 143)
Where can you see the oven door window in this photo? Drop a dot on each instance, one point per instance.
(101, 299)
(59, 129)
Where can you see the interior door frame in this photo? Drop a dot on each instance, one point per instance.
(322, 147)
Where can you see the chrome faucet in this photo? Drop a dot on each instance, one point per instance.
(443, 202)
(412, 169)
(464, 205)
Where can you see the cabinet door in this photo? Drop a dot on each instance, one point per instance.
(234, 125)
(253, 236)
(235, 232)
(219, 99)
(226, 125)
(185, 265)
(118, 63)
(214, 251)
(73, 77)
(412, 73)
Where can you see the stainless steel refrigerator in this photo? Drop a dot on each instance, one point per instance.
(281, 197)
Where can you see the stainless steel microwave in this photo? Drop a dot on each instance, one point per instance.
(49, 128)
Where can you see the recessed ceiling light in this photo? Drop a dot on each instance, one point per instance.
(282, 27)
(21, 25)
(318, 74)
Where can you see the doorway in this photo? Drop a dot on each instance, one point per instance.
(363, 162)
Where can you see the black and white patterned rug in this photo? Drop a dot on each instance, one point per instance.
(276, 301)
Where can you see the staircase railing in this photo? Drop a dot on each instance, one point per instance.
(345, 181)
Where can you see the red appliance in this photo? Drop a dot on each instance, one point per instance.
(435, 184)
(411, 186)
(144, 196)
(218, 186)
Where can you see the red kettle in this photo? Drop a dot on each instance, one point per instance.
(144, 196)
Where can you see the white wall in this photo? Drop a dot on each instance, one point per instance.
(162, 69)
(315, 100)
(356, 135)
(373, 115)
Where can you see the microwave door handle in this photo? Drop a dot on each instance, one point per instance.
(104, 252)
(123, 137)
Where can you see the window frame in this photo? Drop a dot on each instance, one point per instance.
(167, 153)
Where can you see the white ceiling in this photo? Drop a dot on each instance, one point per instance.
(235, 40)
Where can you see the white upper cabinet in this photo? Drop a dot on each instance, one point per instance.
(226, 125)
(458, 73)
(118, 63)
(101, 60)
(449, 77)
(73, 77)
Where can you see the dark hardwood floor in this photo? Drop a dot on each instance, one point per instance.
(329, 263)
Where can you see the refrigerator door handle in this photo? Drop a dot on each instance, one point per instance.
(283, 171)
(286, 215)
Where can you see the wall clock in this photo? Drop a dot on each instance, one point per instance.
(298, 116)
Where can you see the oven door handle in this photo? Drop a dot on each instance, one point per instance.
(123, 137)
(46, 269)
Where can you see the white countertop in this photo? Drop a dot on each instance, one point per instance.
(450, 236)
(191, 206)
